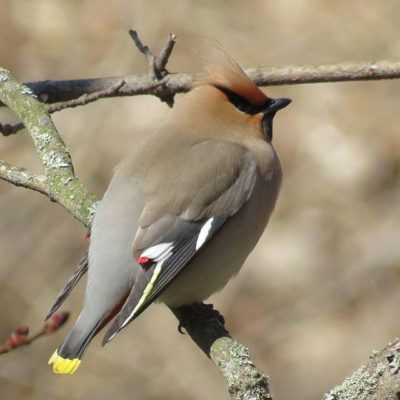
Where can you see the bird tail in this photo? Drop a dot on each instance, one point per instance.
(67, 358)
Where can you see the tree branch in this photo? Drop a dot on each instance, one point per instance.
(21, 177)
(165, 53)
(19, 337)
(7, 129)
(61, 184)
(73, 93)
(378, 379)
(157, 65)
(206, 328)
(52, 91)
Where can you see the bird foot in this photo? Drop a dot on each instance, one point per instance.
(197, 313)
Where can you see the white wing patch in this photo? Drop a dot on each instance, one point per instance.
(204, 231)
(158, 252)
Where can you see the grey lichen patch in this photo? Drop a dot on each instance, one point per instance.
(66, 180)
(53, 160)
(240, 354)
(394, 361)
(41, 178)
(18, 175)
(257, 392)
(5, 75)
(45, 120)
(243, 379)
(72, 195)
(359, 386)
(92, 209)
(42, 137)
(28, 91)
(21, 177)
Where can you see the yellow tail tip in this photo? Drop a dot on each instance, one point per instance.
(64, 365)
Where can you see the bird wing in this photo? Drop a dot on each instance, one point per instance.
(172, 232)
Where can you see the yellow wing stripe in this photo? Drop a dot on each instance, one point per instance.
(64, 365)
(146, 292)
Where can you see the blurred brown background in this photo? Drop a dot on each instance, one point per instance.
(321, 290)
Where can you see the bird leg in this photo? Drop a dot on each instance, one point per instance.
(196, 314)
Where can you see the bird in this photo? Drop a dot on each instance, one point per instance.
(183, 211)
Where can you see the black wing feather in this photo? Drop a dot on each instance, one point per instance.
(174, 264)
(184, 250)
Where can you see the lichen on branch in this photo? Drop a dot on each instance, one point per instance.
(59, 182)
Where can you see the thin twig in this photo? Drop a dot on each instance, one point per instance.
(19, 337)
(85, 98)
(145, 50)
(157, 65)
(7, 129)
(165, 53)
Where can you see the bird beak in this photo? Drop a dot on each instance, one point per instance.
(275, 105)
(269, 113)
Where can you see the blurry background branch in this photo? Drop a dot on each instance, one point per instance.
(20, 336)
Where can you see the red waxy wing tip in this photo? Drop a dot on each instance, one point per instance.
(143, 260)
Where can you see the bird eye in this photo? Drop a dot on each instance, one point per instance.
(240, 102)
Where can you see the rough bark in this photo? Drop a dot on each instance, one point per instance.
(59, 182)
(377, 379)
(206, 327)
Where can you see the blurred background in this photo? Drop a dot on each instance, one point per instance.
(321, 290)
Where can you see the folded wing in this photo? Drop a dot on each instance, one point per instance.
(173, 230)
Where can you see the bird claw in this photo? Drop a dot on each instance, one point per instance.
(180, 328)
(197, 313)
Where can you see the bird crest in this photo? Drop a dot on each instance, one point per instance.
(219, 69)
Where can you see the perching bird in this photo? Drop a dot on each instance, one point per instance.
(182, 214)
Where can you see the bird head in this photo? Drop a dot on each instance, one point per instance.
(225, 75)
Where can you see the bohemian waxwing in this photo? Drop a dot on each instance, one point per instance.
(183, 212)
